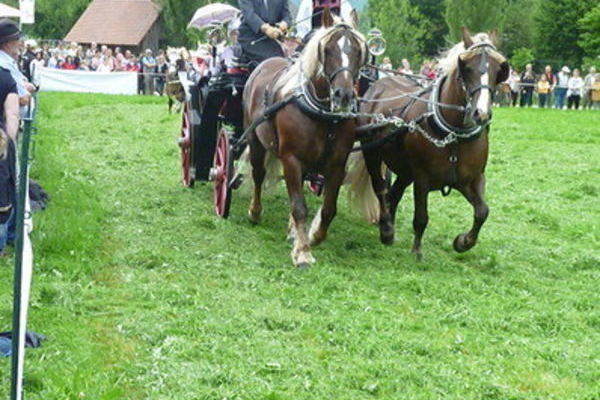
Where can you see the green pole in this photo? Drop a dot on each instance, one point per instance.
(20, 217)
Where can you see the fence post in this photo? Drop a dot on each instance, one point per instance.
(19, 309)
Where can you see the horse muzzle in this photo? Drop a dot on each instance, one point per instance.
(341, 100)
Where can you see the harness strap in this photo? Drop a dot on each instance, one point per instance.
(453, 171)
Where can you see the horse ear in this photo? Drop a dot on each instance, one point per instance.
(327, 18)
(493, 35)
(354, 19)
(503, 73)
(466, 37)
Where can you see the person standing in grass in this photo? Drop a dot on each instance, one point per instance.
(551, 78)
(148, 69)
(513, 81)
(560, 90)
(527, 86)
(589, 81)
(575, 90)
(543, 90)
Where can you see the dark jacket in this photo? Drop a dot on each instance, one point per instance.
(254, 15)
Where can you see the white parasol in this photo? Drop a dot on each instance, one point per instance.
(215, 12)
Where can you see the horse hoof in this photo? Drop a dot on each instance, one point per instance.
(387, 238)
(461, 244)
(417, 254)
(315, 241)
(254, 218)
(303, 266)
(386, 233)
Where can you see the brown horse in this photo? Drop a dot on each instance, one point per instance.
(309, 134)
(447, 147)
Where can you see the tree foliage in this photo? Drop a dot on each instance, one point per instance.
(558, 30)
(54, 18)
(590, 37)
(478, 16)
(521, 58)
(433, 13)
(403, 26)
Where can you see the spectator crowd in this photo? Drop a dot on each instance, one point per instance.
(564, 89)
(151, 68)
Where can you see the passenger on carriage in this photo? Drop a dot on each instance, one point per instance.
(305, 25)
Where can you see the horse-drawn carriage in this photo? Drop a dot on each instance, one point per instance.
(308, 112)
(205, 156)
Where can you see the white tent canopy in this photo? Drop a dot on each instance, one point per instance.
(7, 11)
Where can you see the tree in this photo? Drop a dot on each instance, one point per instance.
(521, 58)
(403, 26)
(517, 30)
(558, 31)
(54, 18)
(477, 15)
(433, 11)
(589, 40)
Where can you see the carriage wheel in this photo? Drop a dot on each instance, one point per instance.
(185, 145)
(221, 174)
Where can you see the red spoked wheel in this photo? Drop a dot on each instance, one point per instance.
(185, 146)
(221, 174)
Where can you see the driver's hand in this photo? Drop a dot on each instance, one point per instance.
(271, 31)
(283, 26)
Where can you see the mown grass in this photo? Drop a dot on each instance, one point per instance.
(144, 294)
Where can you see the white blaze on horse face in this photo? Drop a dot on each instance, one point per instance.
(345, 59)
(483, 103)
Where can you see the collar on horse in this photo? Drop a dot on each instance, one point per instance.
(443, 126)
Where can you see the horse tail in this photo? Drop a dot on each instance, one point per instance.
(361, 194)
(272, 167)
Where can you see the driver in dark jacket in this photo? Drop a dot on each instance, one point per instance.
(261, 18)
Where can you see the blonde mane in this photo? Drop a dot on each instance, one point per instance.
(448, 60)
(308, 63)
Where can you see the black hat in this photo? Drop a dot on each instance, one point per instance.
(9, 30)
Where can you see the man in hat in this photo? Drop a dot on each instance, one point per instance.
(263, 22)
(10, 46)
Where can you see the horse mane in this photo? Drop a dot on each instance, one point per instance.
(308, 62)
(448, 60)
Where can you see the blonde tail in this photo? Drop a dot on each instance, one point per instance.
(360, 194)
(272, 167)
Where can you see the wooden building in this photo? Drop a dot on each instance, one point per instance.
(133, 24)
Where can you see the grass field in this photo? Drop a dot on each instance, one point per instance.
(144, 294)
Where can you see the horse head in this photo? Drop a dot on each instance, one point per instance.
(341, 51)
(480, 69)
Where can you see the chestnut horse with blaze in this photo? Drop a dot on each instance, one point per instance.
(307, 137)
(448, 145)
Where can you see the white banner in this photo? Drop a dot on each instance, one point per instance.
(27, 8)
(60, 80)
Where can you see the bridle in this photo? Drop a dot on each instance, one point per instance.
(483, 68)
(347, 31)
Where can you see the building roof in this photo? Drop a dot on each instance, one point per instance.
(115, 22)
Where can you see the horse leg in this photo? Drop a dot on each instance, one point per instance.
(421, 217)
(333, 181)
(257, 159)
(474, 193)
(292, 171)
(170, 105)
(395, 195)
(386, 224)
